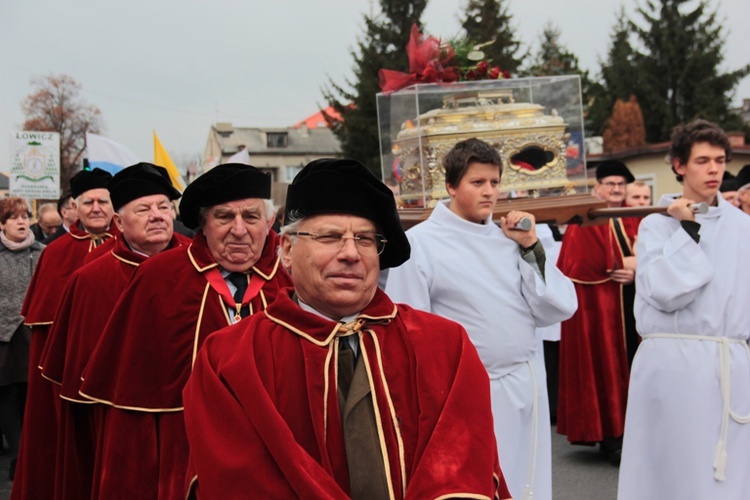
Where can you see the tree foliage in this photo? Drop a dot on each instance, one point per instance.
(55, 105)
(489, 21)
(382, 46)
(619, 77)
(552, 58)
(625, 129)
(674, 68)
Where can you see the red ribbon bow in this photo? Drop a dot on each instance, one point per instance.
(429, 62)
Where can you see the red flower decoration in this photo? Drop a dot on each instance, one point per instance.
(429, 62)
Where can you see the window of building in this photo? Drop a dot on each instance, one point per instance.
(291, 171)
(277, 139)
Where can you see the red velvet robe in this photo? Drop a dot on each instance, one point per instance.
(35, 469)
(594, 372)
(262, 412)
(143, 361)
(87, 302)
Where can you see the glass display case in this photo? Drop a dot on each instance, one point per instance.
(535, 123)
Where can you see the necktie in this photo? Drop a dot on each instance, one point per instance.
(239, 280)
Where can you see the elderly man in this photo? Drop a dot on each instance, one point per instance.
(593, 354)
(141, 197)
(47, 223)
(36, 458)
(335, 392)
(67, 217)
(505, 290)
(174, 301)
(688, 418)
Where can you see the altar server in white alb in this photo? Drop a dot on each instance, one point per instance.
(496, 282)
(687, 426)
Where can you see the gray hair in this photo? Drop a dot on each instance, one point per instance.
(293, 222)
(46, 207)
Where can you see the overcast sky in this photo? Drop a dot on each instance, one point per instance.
(179, 66)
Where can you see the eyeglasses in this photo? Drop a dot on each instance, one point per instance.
(362, 240)
(612, 185)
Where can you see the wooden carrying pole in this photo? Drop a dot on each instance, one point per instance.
(573, 209)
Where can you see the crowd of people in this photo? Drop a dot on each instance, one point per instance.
(339, 356)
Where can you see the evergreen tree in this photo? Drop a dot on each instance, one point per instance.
(552, 58)
(382, 46)
(555, 59)
(678, 68)
(489, 21)
(619, 77)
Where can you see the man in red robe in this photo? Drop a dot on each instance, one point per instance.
(35, 471)
(173, 302)
(593, 357)
(334, 391)
(141, 197)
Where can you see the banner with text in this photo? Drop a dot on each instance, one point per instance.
(35, 165)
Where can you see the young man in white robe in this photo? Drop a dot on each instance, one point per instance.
(496, 282)
(687, 426)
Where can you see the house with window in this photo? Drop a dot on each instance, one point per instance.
(280, 151)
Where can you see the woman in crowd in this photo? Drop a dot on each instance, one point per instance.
(19, 254)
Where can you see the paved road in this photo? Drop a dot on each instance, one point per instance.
(581, 472)
(578, 473)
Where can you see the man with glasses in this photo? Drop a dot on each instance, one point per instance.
(335, 391)
(594, 366)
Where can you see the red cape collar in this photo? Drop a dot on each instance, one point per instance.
(266, 266)
(317, 329)
(122, 251)
(80, 234)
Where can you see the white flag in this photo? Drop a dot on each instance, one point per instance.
(108, 155)
(240, 157)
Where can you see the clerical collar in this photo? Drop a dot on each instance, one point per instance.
(310, 309)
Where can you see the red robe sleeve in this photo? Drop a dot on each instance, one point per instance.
(258, 421)
(237, 454)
